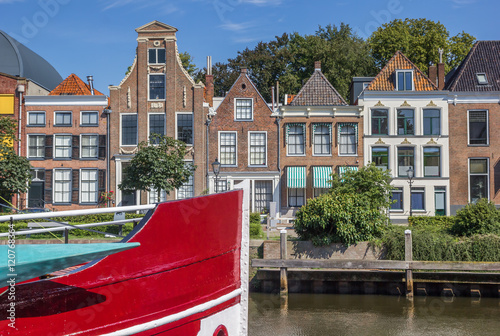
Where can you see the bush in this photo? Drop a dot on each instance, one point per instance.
(255, 227)
(480, 218)
(432, 223)
(338, 218)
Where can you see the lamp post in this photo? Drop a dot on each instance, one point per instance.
(216, 169)
(409, 173)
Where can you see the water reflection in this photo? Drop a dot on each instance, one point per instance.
(321, 314)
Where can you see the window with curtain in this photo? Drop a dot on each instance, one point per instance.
(88, 182)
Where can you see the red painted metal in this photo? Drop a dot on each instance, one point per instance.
(189, 255)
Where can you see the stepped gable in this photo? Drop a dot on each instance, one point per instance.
(73, 86)
(318, 92)
(385, 80)
(483, 58)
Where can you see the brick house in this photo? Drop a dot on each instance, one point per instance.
(406, 126)
(243, 135)
(320, 135)
(64, 137)
(157, 96)
(474, 105)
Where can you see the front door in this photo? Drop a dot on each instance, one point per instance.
(36, 195)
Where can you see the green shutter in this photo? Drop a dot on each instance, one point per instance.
(294, 124)
(321, 177)
(296, 177)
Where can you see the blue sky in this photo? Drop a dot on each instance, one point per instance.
(97, 37)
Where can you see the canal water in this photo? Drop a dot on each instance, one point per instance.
(331, 314)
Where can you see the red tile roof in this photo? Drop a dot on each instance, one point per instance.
(318, 92)
(73, 86)
(385, 79)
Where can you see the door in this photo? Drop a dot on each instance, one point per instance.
(36, 195)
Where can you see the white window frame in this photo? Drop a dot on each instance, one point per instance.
(149, 123)
(388, 147)
(153, 198)
(355, 139)
(54, 186)
(440, 161)
(249, 148)
(252, 109)
(479, 81)
(157, 55)
(469, 175)
(96, 146)
(176, 134)
(440, 121)
(89, 125)
(37, 125)
(303, 144)
(70, 147)
(412, 79)
(399, 189)
(418, 190)
(63, 125)
(28, 147)
(121, 129)
(236, 149)
(313, 143)
(191, 177)
(414, 160)
(487, 127)
(149, 87)
(96, 186)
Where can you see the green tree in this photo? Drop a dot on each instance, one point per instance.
(481, 217)
(354, 210)
(419, 40)
(158, 165)
(187, 63)
(15, 171)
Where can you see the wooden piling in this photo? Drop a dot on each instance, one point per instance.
(283, 270)
(408, 260)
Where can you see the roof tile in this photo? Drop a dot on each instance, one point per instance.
(73, 86)
(318, 92)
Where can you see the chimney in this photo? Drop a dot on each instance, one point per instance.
(90, 79)
(243, 70)
(440, 76)
(209, 82)
(317, 66)
(433, 73)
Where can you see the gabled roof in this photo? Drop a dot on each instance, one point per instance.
(155, 26)
(483, 58)
(385, 80)
(318, 92)
(18, 60)
(73, 86)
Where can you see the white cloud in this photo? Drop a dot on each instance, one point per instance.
(462, 3)
(109, 4)
(237, 27)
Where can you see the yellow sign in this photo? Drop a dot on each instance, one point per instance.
(6, 104)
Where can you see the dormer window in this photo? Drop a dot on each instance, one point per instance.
(156, 56)
(404, 80)
(481, 78)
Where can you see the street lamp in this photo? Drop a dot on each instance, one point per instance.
(409, 173)
(216, 169)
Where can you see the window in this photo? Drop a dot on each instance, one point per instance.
(347, 139)
(320, 191)
(295, 137)
(88, 186)
(156, 56)
(129, 129)
(153, 196)
(36, 118)
(187, 189)
(432, 122)
(90, 146)
(440, 201)
(258, 153)
(89, 118)
(478, 179)
(380, 156)
(478, 127)
(322, 139)
(406, 122)
(62, 146)
(227, 148)
(417, 199)
(185, 127)
(404, 80)
(397, 199)
(244, 110)
(406, 160)
(62, 118)
(157, 87)
(379, 122)
(62, 185)
(432, 161)
(263, 196)
(156, 126)
(481, 78)
(36, 146)
(296, 197)
(221, 185)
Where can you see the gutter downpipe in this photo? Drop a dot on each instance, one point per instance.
(207, 123)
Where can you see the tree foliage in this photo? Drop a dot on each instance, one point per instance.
(15, 171)
(419, 40)
(187, 63)
(353, 211)
(158, 166)
(479, 218)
